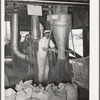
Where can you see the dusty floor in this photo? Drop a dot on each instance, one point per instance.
(59, 72)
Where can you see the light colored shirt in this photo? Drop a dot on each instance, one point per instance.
(43, 42)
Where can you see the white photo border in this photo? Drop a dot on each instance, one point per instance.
(94, 49)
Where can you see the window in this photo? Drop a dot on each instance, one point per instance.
(77, 35)
(7, 33)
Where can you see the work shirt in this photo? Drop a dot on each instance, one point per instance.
(44, 43)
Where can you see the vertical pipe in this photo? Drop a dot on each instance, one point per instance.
(35, 32)
(60, 8)
(35, 27)
(15, 37)
(50, 9)
(41, 30)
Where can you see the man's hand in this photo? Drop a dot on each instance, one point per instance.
(49, 49)
(44, 49)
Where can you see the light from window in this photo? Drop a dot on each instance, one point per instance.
(77, 35)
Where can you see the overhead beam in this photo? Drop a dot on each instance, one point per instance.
(53, 2)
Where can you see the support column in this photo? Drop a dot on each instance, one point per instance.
(86, 42)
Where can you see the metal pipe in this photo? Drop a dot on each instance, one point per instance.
(15, 37)
(41, 30)
(60, 8)
(61, 27)
(35, 27)
(50, 2)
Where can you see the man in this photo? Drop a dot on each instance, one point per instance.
(42, 56)
(30, 50)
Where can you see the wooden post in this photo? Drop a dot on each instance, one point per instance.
(85, 42)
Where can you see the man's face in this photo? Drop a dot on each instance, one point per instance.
(47, 35)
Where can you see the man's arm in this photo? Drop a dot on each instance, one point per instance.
(50, 49)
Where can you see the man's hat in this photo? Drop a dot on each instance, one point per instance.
(47, 31)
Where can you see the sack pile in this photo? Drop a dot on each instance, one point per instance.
(27, 91)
